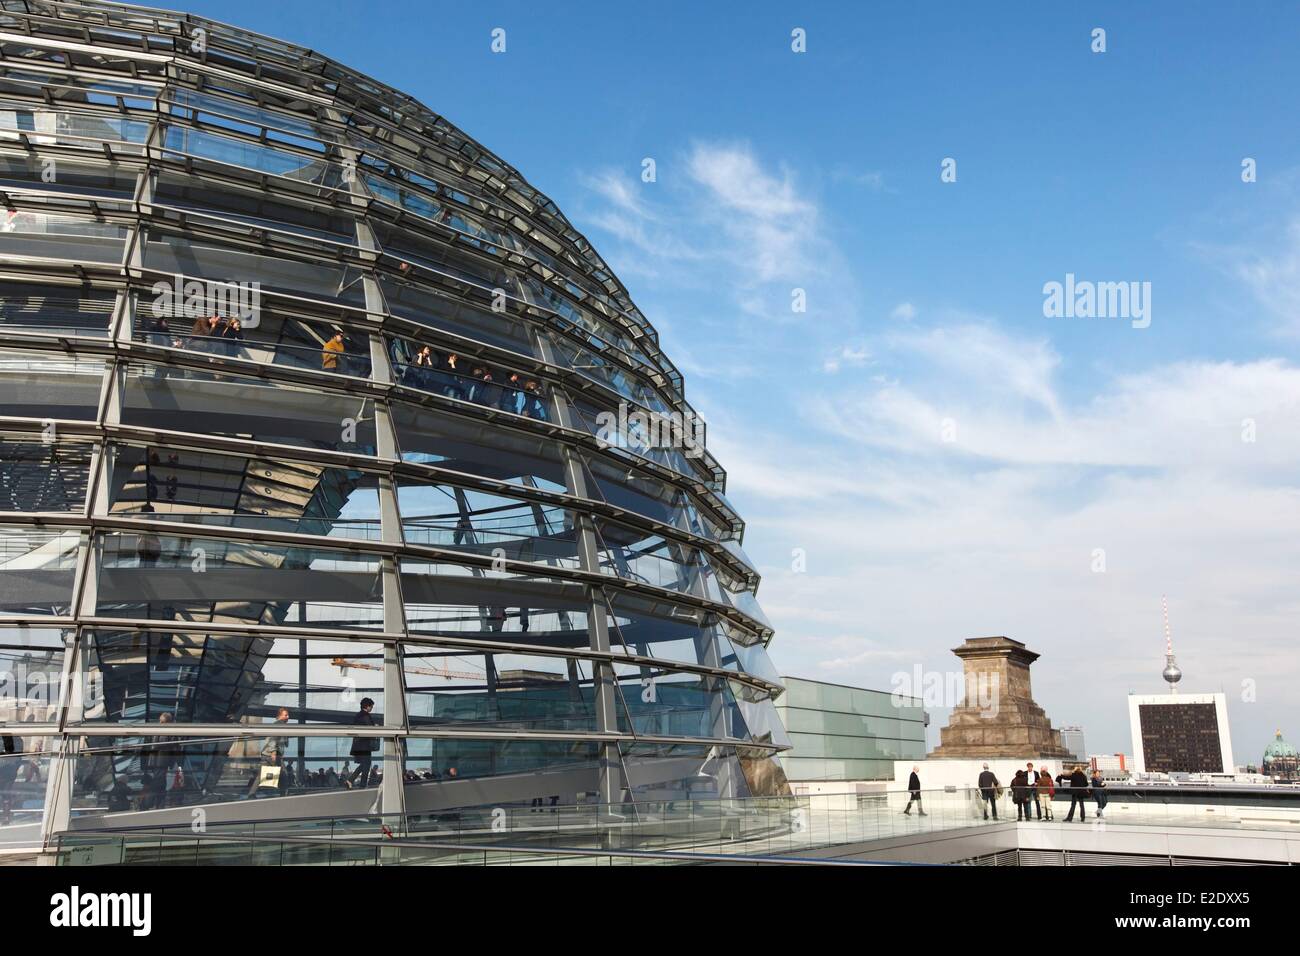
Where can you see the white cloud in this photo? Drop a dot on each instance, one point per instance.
(904, 312)
(916, 545)
(766, 237)
(1274, 276)
(848, 356)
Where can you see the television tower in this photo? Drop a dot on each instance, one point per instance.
(1171, 673)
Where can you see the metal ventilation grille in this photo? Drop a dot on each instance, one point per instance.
(1073, 858)
(1206, 861)
(1002, 858)
(1042, 858)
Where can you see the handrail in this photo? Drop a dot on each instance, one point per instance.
(498, 848)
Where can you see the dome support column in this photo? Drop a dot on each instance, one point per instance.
(611, 782)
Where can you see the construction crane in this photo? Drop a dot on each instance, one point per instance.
(343, 664)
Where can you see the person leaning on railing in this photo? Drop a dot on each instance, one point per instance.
(1078, 794)
(332, 352)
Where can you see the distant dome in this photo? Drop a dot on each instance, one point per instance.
(1279, 749)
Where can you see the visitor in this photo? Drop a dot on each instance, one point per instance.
(510, 394)
(1019, 796)
(454, 387)
(1078, 794)
(1046, 791)
(272, 755)
(914, 789)
(231, 333)
(533, 406)
(202, 332)
(989, 787)
(363, 748)
(1032, 793)
(424, 369)
(332, 352)
(1099, 792)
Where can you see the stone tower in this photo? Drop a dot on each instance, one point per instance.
(998, 716)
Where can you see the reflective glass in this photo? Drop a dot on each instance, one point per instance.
(478, 449)
(37, 568)
(55, 309)
(168, 578)
(207, 488)
(49, 385)
(183, 677)
(31, 665)
(446, 516)
(43, 476)
(242, 406)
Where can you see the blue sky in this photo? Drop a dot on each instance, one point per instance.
(820, 171)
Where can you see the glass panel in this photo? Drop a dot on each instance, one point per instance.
(426, 307)
(75, 176)
(754, 660)
(668, 442)
(665, 631)
(124, 774)
(477, 449)
(595, 366)
(43, 476)
(24, 775)
(499, 691)
(636, 555)
(188, 102)
(182, 256)
(762, 720)
(49, 385)
(651, 497)
(67, 128)
(476, 522)
(36, 571)
(170, 578)
(242, 406)
(207, 488)
(55, 310)
(181, 141)
(438, 609)
(254, 207)
(449, 760)
(668, 704)
(147, 677)
(32, 232)
(31, 664)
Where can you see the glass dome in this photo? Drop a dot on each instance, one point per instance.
(337, 469)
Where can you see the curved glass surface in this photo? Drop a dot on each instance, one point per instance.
(301, 474)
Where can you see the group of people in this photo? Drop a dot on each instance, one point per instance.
(1032, 792)
(1036, 789)
(215, 334)
(453, 377)
(224, 335)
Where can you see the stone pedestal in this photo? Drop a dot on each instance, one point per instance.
(998, 716)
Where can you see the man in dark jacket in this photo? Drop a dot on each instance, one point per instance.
(363, 748)
(1078, 794)
(914, 788)
(1031, 779)
(989, 791)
